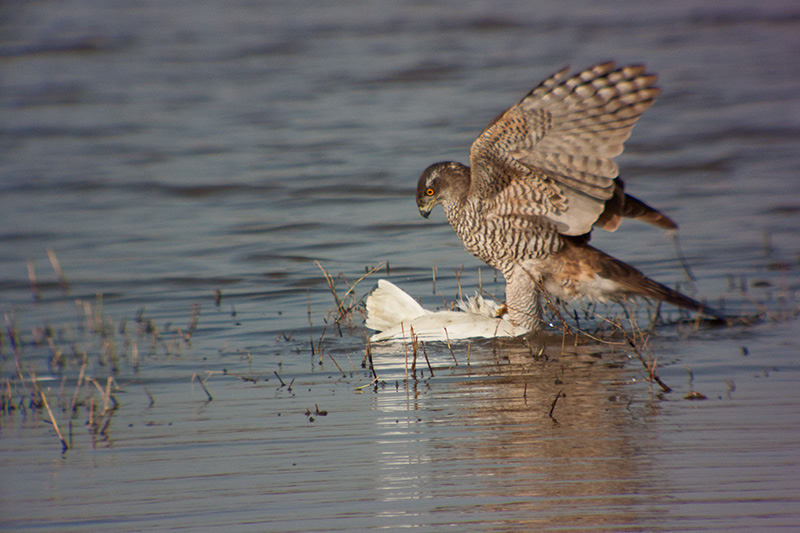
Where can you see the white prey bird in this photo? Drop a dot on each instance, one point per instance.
(393, 313)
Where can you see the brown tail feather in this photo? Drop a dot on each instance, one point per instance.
(622, 205)
(635, 208)
(634, 282)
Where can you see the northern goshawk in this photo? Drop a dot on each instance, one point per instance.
(541, 176)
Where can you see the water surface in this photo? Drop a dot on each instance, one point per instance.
(188, 165)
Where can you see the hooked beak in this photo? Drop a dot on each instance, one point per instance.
(425, 208)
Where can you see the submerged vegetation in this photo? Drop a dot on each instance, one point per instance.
(85, 360)
(72, 373)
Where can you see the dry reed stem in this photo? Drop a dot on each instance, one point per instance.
(337, 365)
(350, 360)
(650, 366)
(414, 342)
(105, 394)
(104, 429)
(310, 324)
(449, 347)
(610, 322)
(90, 421)
(426, 358)
(195, 376)
(458, 280)
(62, 280)
(89, 315)
(367, 348)
(340, 302)
(550, 304)
(361, 388)
(150, 396)
(32, 277)
(64, 445)
(81, 375)
(332, 288)
(6, 407)
(369, 358)
(321, 336)
(135, 355)
(34, 386)
(359, 280)
(243, 377)
(637, 340)
(405, 348)
(553, 405)
(13, 339)
(195, 319)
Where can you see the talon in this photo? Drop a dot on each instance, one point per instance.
(501, 310)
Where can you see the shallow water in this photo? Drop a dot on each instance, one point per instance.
(168, 154)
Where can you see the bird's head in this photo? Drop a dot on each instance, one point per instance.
(442, 183)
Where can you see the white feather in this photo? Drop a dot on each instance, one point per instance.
(394, 314)
(387, 306)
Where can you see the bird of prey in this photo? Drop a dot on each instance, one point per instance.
(541, 176)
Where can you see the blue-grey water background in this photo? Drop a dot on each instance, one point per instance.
(194, 159)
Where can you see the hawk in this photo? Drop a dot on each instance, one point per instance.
(541, 176)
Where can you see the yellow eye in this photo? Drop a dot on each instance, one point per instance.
(429, 192)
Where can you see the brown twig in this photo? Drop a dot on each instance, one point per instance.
(81, 375)
(652, 369)
(195, 376)
(553, 405)
(368, 356)
(310, 324)
(426, 357)
(458, 280)
(447, 336)
(32, 278)
(340, 302)
(550, 304)
(62, 280)
(362, 278)
(405, 348)
(337, 365)
(414, 342)
(192, 323)
(64, 445)
(332, 287)
(148, 393)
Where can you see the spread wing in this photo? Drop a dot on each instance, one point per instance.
(551, 155)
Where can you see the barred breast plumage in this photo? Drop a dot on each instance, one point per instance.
(541, 176)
